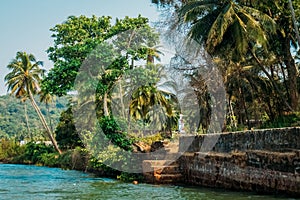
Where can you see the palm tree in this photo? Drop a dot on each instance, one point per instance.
(144, 99)
(153, 53)
(284, 15)
(23, 81)
(47, 98)
(226, 25)
(23, 100)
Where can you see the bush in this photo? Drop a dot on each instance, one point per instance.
(33, 152)
(289, 120)
(130, 177)
(152, 138)
(49, 159)
(112, 131)
(10, 149)
(66, 135)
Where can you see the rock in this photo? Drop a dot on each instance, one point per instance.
(142, 147)
(157, 145)
(135, 182)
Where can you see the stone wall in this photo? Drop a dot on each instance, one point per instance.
(268, 139)
(265, 161)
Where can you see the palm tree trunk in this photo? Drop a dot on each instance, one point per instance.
(49, 117)
(271, 79)
(44, 123)
(292, 74)
(27, 124)
(292, 71)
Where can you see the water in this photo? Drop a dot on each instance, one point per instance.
(32, 182)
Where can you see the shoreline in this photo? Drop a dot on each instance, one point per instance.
(102, 174)
(217, 189)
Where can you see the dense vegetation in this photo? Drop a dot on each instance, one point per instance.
(253, 44)
(13, 122)
(256, 47)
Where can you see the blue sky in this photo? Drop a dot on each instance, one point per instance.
(25, 24)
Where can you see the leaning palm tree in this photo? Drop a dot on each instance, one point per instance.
(23, 100)
(47, 98)
(23, 81)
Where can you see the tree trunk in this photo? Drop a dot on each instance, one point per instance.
(44, 123)
(27, 123)
(49, 117)
(292, 74)
(122, 101)
(272, 80)
(105, 106)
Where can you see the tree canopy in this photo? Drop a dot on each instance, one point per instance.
(74, 40)
(255, 48)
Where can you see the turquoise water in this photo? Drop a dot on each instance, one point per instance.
(32, 182)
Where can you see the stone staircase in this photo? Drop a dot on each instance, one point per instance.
(165, 170)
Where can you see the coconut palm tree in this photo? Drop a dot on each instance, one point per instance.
(47, 98)
(285, 40)
(225, 26)
(23, 81)
(153, 53)
(23, 100)
(144, 99)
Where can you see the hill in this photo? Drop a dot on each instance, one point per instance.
(13, 120)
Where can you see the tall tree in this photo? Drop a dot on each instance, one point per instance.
(226, 27)
(75, 40)
(284, 14)
(24, 80)
(47, 98)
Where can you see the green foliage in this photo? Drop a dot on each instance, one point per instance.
(289, 120)
(97, 166)
(33, 152)
(74, 40)
(130, 177)
(148, 139)
(24, 76)
(255, 39)
(9, 149)
(49, 159)
(13, 122)
(66, 135)
(226, 27)
(71, 159)
(112, 131)
(41, 154)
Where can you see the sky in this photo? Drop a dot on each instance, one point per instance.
(25, 24)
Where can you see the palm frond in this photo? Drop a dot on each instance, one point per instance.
(216, 33)
(193, 9)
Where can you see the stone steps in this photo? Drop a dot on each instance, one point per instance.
(158, 173)
(167, 178)
(169, 169)
(163, 170)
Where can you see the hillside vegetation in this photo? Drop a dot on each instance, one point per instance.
(13, 120)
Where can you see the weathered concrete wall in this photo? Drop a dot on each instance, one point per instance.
(268, 139)
(264, 161)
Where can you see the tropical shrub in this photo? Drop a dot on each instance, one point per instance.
(9, 149)
(33, 152)
(113, 132)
